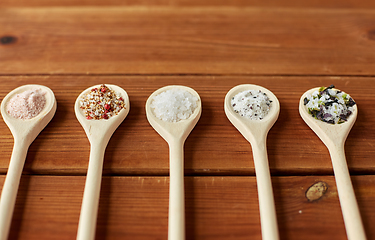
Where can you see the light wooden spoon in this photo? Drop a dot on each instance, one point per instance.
(255, 131)
(334, 136)
(98, 132)
(24, 132)
(175, 133)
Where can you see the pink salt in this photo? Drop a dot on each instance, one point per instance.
(27, 105)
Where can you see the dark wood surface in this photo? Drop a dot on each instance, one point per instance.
(286, 46)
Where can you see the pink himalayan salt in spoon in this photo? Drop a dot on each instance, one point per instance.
(27, 104)
(24, 132)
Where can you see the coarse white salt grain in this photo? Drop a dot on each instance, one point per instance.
(27, 105)
(252, 104)
(174, 105)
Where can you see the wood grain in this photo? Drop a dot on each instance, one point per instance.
(287, 46)
(196, 40)
(214, 147)
(216, 208)
(352, 4)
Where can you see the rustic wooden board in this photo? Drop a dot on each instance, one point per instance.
(216, 208)
(165, 40)
(214, 147)
(286, 46)
(352, 4)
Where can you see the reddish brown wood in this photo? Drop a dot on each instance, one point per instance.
(216, 208)
(168, 40)
(194, 3)
(286, 46)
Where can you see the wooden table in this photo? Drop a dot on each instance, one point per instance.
(287, 46)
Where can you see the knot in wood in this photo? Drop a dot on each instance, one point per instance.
(371, 34)
(316, 191)
(7, 40)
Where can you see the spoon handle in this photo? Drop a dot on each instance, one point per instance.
(265, 195)
(90, 202)
(176, 219)
(348, 202)
(10, 188)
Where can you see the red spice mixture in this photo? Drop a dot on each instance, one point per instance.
(101, 103)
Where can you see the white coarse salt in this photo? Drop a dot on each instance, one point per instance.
(27, 105)
(174, 105)
(253, 104)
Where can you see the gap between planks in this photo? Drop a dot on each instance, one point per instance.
(182, 75)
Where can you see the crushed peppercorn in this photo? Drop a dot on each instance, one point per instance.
(101, 103)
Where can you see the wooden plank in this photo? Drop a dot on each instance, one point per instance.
(214, 147)
(166, 40)
(216, 208)
(194, 3)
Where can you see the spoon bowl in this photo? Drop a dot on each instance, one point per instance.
(29, 129)
(334, 136)
(99, 133)
(175, 134)
(252, 129)
(24, 132)
(102, 130)
(255, 131)
(330, 134)
(171, 131)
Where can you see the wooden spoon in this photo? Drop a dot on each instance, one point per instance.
(175, 133)
(334, 136)
(255, 131)
(98, 132)
(24, 132)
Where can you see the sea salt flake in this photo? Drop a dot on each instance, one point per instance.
(174, 105)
